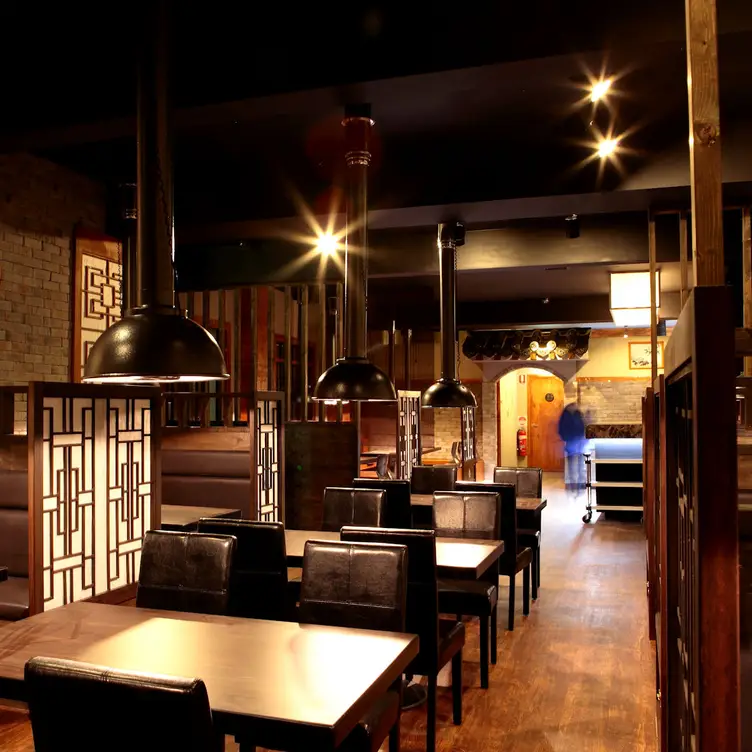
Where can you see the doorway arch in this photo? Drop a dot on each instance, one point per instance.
(530, 395)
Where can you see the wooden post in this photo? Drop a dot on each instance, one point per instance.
(288, 352)
(222, 407)
(271, 342)
(322, 343)
(653, 306)
(237, 328)
(407, 341)
(303, 356)
(392, 345)
(340, 340)
(683, 258)
(747, 266)
(253, 325)
(704, 142)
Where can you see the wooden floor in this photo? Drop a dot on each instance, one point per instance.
(576, 675)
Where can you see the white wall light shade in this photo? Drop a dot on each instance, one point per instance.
(630, 297)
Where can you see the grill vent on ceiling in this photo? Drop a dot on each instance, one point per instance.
(555, 268)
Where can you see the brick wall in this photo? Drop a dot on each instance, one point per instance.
(447, 426)
(40, 203)
(612, 401)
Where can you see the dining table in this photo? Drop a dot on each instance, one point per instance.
(185, 518)
(280, 685)
(459, 558)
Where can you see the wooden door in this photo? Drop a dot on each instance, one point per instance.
(545, 401)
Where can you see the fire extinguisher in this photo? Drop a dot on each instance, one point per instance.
(522, 443)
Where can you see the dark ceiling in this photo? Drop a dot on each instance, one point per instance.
(471, 104)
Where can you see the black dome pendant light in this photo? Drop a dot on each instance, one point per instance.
(448, 391)
(154, 342)
(354, 377)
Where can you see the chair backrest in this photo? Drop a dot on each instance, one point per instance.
(353, 506)
(258, 582)
(508, 522)
(14, 522)
(422, 583)
(359, 585)
(527, 480)
(426, 479)
(185, 572)
(467, 514)
(121, 710)
(398, 512)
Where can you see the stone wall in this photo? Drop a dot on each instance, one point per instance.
(40, 204)
(612, 401)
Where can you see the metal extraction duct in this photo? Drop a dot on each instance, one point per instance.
(353, 377)
(154, 342)
(448, 391)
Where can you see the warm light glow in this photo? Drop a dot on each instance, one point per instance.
(607, 147)
(327, 244)
(600, 89)
(630, 298)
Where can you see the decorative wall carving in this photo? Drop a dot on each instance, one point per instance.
(530, 344)
(94, 495)
(96, 290)
(408, 433)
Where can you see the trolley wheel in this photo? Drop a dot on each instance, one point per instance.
(588, 516)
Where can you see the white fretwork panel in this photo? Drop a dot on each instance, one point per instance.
(267, 460)
(96, 495)
(408, 436)
(101, 302)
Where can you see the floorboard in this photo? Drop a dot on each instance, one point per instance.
(576, 675)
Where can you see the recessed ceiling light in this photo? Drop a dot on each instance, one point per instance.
(607, 147)
(600, 89)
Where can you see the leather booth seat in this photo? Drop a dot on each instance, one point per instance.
(207, 479)
(14, 545)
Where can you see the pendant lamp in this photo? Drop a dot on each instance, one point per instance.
(448, 391)
(353, 377)
(154, 342)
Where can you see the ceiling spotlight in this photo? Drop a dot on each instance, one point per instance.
(607, 147)
(600, 89)
(572, 225)
(326, 244)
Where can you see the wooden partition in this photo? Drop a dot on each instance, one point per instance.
(317, 455)
(699, 615)
(250, 423)
(94, 488)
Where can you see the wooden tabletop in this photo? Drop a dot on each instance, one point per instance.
(284, 684)
(528, 505)
(177, 517)
(460, 558)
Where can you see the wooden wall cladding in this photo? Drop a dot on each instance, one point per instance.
(317, 455)
(218, 439)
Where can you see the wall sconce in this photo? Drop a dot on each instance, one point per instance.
(630, 297)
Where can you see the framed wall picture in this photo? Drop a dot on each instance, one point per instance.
(640, 356)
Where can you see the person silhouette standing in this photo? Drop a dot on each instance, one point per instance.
(572, 433)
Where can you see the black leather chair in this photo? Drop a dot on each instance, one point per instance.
(78, 706)
(527, 480)
(364, 586)
(185, 572)
(441, 640)
(258, 582)
(353, 506)
(525, 538)
(398, 512)
(467, 514)
(426, 479)
(516, 558)
(529, 484)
